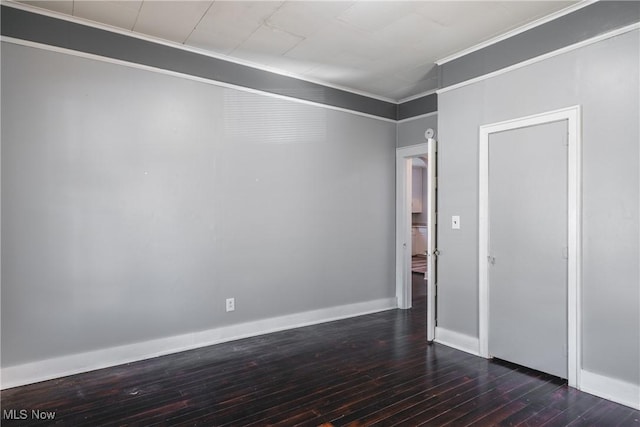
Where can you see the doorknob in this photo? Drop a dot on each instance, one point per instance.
(492, 260)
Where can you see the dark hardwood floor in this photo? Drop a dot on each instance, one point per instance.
(375, 369)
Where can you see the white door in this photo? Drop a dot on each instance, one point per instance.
(528, 246)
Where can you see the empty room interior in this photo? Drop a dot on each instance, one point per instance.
(320, 213)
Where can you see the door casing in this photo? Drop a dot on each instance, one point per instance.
(573, 117)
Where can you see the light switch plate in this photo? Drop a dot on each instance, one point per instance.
(455, 222)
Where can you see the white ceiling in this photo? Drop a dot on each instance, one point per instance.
(382, 48)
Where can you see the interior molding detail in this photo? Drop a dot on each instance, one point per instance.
(619, 391)
(270, 82)
(457, 340)
(540, 58)
(516, 31)
(135, 65)
(19, 23)
(28, 373)
(156, 40)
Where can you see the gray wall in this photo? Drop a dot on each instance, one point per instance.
(134, 203)
(411, 132)
(604, 79)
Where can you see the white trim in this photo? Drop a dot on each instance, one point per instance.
(430, 275)
(421, 116)
(416, 96)
(548, 55)
(28, 373)
(516, 31)
(182, 75)
(156, 40)
(456, 340)
(483, 242)
(403, 220)
(574, 214)
(612, 389)
(574, 264)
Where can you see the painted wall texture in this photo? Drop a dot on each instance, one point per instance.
(411, 132)
(134, 203)
(604, 78)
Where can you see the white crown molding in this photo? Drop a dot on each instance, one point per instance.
(516, 31)
(587, 42)
(28, 373)
(175, 45)
(185, 76)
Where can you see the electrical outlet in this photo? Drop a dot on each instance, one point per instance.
(231, 304)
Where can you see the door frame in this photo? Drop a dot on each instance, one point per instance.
(574, 212)
(404, 155)
(404, 186)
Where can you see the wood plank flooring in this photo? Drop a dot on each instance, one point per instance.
(371, 370)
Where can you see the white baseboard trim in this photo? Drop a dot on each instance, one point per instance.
(458, 341)
(613, 389)
(28, 373)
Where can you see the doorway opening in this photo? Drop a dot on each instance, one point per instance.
(419, 213)
(406, 207)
